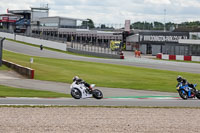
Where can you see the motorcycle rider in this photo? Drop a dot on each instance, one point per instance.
(79, 80)
(185, 82)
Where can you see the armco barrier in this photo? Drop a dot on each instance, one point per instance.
(178, 57)
(25, 71)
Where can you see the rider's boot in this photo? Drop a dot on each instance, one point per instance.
(189, 94)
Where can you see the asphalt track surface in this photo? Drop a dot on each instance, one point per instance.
(102, 102)
(169, 99)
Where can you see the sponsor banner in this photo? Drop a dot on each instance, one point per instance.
(161, 37)
(9, 19)
(5, 19)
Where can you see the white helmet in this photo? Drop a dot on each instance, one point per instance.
(75, 78)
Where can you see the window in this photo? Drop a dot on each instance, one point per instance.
(49, 24)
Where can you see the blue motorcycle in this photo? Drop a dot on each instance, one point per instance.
(186, 92)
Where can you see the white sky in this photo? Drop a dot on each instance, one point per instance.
(114, 11)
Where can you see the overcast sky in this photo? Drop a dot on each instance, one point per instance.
(114, 11)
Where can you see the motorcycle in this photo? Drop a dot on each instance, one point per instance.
(186, 92)
(79, 90)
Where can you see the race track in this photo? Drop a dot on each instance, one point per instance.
(169, 102)
(169, 99)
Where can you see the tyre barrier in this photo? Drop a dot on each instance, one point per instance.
(25, 71)
(178, 57)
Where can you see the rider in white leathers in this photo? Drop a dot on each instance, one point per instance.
(79, 80)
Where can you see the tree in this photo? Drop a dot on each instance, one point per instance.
(142, 25)
(160, 26)
(103, 26)
(89, 23)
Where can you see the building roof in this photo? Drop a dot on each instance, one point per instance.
(64, 18)
(40, 8)
(19, 11)
(9, 14)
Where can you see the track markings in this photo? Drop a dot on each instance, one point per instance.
(145, 97)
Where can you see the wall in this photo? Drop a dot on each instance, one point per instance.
(156, 49)
(36, 41)
(25, 71)
(143, 48)
(189, 41)
(67, 22)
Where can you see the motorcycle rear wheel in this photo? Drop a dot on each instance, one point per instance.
(97, 94)
(75, 93)
(183, 94)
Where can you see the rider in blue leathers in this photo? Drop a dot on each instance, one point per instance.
(184, 82)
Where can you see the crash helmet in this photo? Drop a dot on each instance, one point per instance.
(75, 78)
(179, 78)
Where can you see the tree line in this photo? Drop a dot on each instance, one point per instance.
(149, 25)
(161, 26)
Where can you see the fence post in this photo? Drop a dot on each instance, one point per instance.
(1, 50)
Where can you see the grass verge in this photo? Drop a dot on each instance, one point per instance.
(104, 75)
(3, 67)
(6, 91)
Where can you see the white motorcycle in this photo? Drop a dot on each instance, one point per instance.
(79, 90)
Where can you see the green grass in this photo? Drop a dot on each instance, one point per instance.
(19, 92)
(52, 49)
(3, 67)
(105, 75)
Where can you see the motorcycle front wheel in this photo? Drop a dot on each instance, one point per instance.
(75, 93)
(97, 94)
(198, 94)
(183, 94)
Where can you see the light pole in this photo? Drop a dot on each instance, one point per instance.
(164, 20)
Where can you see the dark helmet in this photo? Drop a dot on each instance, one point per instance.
(179, 78)
(75, 78)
